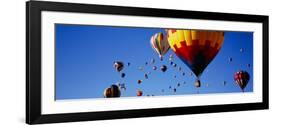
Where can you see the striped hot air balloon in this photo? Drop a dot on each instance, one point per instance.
(196, 48)
(160, 44)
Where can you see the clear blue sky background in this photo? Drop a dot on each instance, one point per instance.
(85, 56)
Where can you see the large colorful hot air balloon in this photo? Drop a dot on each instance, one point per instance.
(160, 44)
(112, 91)
(242, 78)
(196, 48)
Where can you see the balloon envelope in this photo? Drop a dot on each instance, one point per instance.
(242, 78)
(118, 65)
(196, 48)
(160, 44)
(112, 91)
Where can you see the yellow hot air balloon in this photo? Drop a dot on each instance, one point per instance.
(196, 48)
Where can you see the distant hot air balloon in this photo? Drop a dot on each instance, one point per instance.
(159, 44)
(174, 65)
(249, 65)
(241, 50)
(170, 87)
(183, 74)
(128, 64)
(145, 76)
(196, 48)
(122, 86)
(230, 59)
(242, 78)
(123, 75)
(163, 68)
(139, 81)
(139, 93)
(146, 63)
(154, 67)
(118, 65)
(178, 84)
(112, 91)
(224, 83)
(179, 68)
(171, 63)
(171, 57)
(175, 90)
(197, 84)
(152, 61)
(175, 76)
(162, 90)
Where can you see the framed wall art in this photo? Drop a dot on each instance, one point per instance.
(94, 62)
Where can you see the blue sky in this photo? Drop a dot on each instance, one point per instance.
(85, 56)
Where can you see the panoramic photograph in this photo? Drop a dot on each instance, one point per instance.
(94, 61)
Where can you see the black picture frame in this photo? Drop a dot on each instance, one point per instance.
(33, 61)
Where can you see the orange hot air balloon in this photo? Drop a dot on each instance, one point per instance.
(196, 48)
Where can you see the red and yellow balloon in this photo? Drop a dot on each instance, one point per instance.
(196, 48)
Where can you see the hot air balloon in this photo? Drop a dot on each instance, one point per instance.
(197, 84)
(241, 50)
(139, 93)
(171, 63)
(145, 76)
(123, 75)
(249, 65)
(174, 65)
(146, 63)
(170, 87)
(183, 74)
(128, 64)
(122, 86)
(154, 67)
(196, 48)
(178, 84)
(152, 61)
(242, 78)
(163, 68)
(230, 59)
(179, 68)
(112, 91)
(118, 65)
(159, 44)
(224, 83)
(139, 81)
(175, 90)
(171, 57)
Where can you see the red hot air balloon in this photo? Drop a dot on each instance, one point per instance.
(159, 44)
(196, 48)
(139, 93)
(242, 78)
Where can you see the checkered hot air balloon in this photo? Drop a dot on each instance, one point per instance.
(160, 44)
(196, 48)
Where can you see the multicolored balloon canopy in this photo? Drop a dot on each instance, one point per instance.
(196, 48)
(159, 44)
(242, 78)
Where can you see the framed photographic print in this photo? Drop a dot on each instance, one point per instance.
(94, 62)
